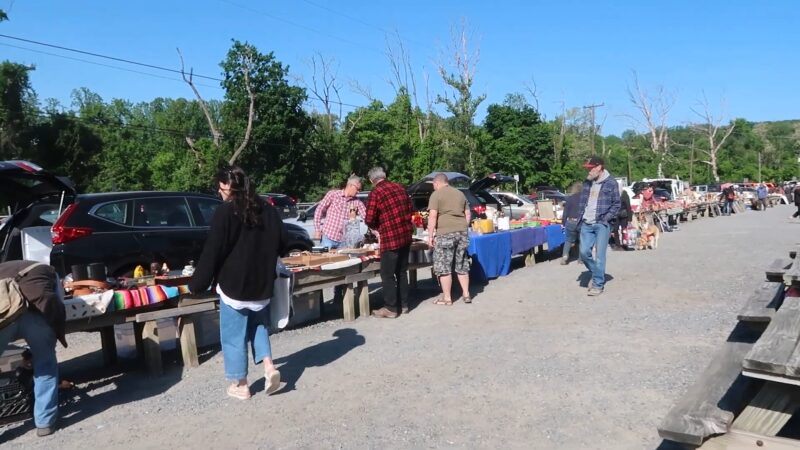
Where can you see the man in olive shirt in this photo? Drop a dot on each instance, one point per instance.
(448, 220)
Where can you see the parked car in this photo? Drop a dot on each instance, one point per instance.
(519, 205)
(305, 218)
(285, 205)
(120, 229)
(481, 202)
(556, 196)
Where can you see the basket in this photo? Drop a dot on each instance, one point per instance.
(16, 398)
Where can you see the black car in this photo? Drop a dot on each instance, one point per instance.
(286, 206)
(121, 229)
(476, 192)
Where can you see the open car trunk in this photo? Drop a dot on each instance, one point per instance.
(35, 198)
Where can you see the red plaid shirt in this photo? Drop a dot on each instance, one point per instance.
(335, 209)
(389, 212)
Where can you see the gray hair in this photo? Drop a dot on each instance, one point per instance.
(354, 180)
(441, 178)
(376, 173)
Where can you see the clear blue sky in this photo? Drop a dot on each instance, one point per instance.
(579, 52)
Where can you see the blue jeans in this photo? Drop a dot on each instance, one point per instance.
(592, 235)
(41, 339)
(237, 329)
(330, 243)
(572, 230)
(728, 207)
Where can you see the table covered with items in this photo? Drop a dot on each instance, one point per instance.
(491, 252)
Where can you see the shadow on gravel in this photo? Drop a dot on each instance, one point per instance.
(98, 388)
(585, 277)
(317, 355)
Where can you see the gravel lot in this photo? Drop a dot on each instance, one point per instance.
(532, 363)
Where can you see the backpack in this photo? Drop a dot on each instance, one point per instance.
(731, 195)
(12, 302)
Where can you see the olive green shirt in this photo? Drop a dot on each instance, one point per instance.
(449, 204)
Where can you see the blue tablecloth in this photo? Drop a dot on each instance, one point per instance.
(491, 255)
(555, 236)
(524, 239)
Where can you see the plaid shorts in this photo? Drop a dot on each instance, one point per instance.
(450, 254)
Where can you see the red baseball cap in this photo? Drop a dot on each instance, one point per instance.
(593, 162)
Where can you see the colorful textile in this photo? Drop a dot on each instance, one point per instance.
(335, 209)
(389, 211)
(144, 296)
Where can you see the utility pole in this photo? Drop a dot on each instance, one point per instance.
(691, 165)
(591, 109)
(759, 167)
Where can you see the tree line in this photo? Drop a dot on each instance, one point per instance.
(263, 124)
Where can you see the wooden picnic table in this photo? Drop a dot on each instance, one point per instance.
(355, 280)
(751, 388)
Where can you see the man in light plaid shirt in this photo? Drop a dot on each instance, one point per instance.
(335, 210)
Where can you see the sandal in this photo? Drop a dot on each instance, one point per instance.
(466, 299)
(273, 380)
(442, 301)
(239, 392)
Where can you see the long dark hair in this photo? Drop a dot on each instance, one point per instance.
(247, 206)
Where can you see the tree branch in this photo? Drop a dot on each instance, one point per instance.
(214, 131)
(246, 66)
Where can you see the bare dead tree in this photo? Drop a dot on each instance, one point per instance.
(710, 129)
(326, 88)
(458, 73)
(654, 111)
(533, 91)
(404, 79)
(246, 66)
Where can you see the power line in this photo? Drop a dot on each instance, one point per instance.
(128, 61)
(105, 65)
(356, 19)
(305, 27)
(98, 55)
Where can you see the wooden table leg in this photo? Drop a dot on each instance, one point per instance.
(109, 345)
(188, 341)
(363, 298)
(349, 303)
(152, 348)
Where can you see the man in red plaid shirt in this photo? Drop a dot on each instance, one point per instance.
(335, 210)
(389, 212)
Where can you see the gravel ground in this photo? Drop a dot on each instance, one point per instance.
(532, 363)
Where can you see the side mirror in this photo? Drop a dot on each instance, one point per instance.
(301, 216)
(519, 203)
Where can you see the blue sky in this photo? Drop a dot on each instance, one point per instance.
(578, 52)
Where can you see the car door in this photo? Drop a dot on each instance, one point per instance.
(164, 228)
(203, 211)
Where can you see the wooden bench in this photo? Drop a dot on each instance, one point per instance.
(147, 332)
(778, 268)
(763, 303)
(709, 406)
(776, 356)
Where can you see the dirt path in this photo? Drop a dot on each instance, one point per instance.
(532, 363)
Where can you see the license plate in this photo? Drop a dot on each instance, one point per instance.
(286, 210)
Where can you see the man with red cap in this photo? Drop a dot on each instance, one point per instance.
(599, 205)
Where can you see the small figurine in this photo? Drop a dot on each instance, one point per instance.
(164, 269)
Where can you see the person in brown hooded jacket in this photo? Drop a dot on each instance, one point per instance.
(40, 325)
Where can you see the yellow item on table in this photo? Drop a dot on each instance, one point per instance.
(486, 226)
(138, 272)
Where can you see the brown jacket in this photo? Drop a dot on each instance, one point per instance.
(39, 288)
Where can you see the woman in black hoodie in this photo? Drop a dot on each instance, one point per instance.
(246, 238)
